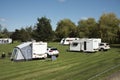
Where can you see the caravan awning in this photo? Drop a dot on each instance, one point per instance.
(24, 45)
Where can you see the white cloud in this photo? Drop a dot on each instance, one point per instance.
(61, 1)
(2, 19)
(84, 18)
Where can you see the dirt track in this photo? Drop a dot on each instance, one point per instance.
(114, 76)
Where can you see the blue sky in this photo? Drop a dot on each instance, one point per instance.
(15, 14)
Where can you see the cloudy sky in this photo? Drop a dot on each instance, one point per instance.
(15, 14)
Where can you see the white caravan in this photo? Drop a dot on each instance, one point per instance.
(29, 51)
(5, 40)
(39, 50)
(67, 41)
(85, 45)
(77, 45)
(91, 45)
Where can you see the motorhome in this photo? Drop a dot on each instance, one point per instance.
(85, 45)
(67, 41)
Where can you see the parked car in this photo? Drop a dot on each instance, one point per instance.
(51, 51)
(104, 46)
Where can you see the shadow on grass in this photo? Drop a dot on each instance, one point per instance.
(115, 45)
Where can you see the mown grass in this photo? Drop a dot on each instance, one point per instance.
(68, 66)
(7, 48)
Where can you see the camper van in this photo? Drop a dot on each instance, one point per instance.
(29, 51)
(67, 41)
(85, 45)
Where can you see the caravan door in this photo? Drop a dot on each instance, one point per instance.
(85, 45)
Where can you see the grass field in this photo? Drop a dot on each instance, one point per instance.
(68, 66)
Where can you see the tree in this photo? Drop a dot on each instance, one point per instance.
(6, 33)
(118, 36)
(43, 31)
(29, 31)
(21, 35)
(24, 35)
(87, 28)
(0, 28)
(108, 27)
(16, 35)
(65, 28)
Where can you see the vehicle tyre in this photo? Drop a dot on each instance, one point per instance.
(101, 49)
(57, 55)
(48, 56)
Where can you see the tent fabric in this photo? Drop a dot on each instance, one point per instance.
(24, 44)
(22, 52)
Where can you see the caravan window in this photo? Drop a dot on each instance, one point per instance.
(74, 44)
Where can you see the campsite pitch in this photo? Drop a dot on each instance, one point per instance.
(68, 66)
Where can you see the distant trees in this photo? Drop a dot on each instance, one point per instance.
(65, 28)
(118, 36)
(43, 30)
(4, 33)
(109, 25)
(107, 28)
(16, 35)
(21, 35)
(87, 28)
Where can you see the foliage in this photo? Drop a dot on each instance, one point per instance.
(65, 28)
(107, 28)
(43, 31)
(4, 33)
(21, 35)
(87, 28)
(118, 36)
(29, 31)
(109, 25)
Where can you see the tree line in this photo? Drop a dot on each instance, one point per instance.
(107, 28)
